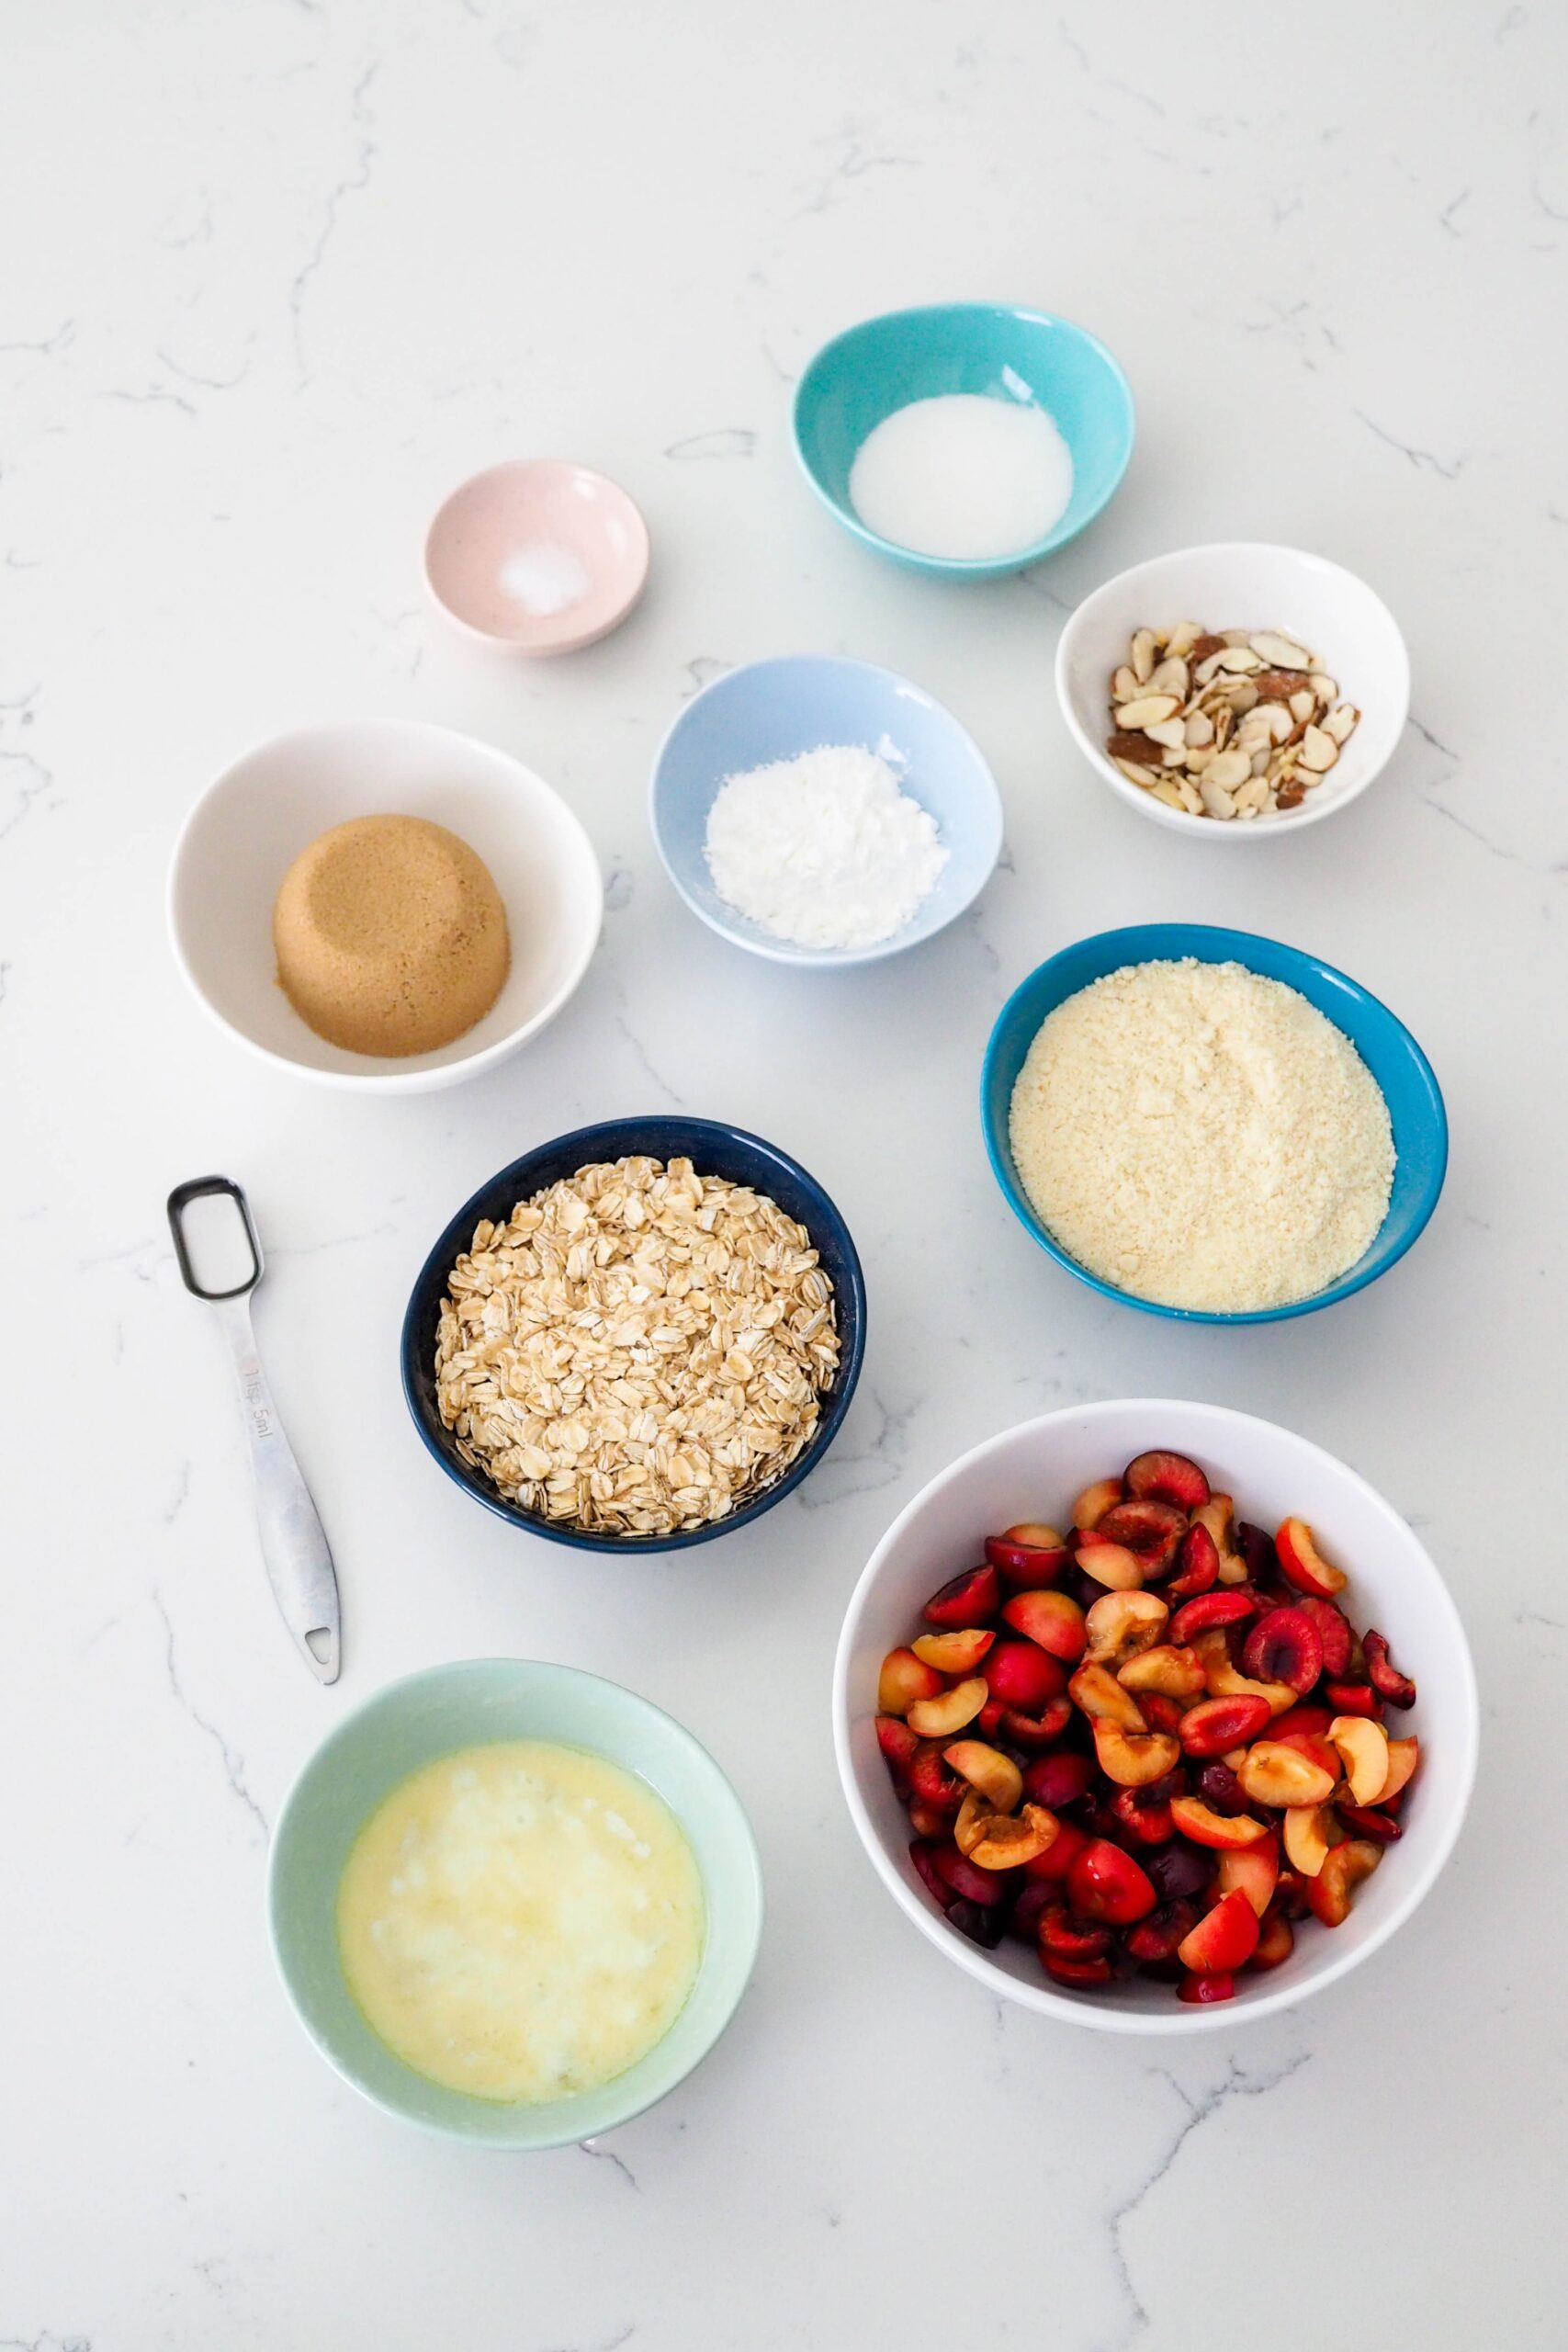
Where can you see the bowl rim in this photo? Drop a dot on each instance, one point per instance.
(394, 1080)
(784, 950)
(454, 1238)
(565, 640)
(1042, 1998)
(754, 1888)
(967, 566)
(1313, 811)
(1357, 1277)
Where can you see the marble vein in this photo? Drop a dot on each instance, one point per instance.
(352, 183)
(1423, 460)
(234, 1763)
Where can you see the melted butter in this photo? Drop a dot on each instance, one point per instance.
(521, 1921)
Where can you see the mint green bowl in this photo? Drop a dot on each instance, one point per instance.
(409, 1723)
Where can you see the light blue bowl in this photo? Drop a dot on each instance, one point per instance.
(1385, 1045)
(408, 1724)
(987, 347)
(776, 710)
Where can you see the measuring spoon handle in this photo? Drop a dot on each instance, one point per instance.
(294, 1545)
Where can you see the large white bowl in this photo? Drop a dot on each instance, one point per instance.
(1239, 584)
(248, 828)
(1031, 1473)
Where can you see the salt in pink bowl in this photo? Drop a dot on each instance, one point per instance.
(540, 555)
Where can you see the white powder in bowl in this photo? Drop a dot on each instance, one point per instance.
(826, 850)
(1202, 1136)
(545, 578)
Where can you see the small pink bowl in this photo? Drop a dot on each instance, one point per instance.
(537, 533)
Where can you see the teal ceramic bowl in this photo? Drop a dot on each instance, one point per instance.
(992, 348)
(410, 1723)
(1405, 1077)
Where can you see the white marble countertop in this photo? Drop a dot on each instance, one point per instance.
(275, 278)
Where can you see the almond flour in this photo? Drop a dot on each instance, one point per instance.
(1202, 1137)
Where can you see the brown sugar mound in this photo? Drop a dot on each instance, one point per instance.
(390, 936)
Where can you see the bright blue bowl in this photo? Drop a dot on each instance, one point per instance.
(1385, 1045)
(714, 1149)
(776, 710)
(987, 347)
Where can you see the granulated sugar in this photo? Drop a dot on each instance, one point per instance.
(826, 850)
(1202, 1136)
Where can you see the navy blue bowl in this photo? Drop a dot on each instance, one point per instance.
(714, 1149)
(1402, 1070)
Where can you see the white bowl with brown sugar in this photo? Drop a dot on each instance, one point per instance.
(388, 956)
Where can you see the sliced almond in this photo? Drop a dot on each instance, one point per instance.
(1236, 635)
(1227, 769)
(1197, 756)
(1190, 798)
(1170, 794)
(1238, 659)
(1170, 731)
(1218, 803)
(1323, 687)
(1124, 685)
(1135, 773)
(1199, 728)
(1182, 638)
(1276, 717)
(1341, 723)
(1303, 703)
(1144, 656)
(1243, 696)
(1147, 710)
(1170, 678)
(1318, 752)
(1279, 652)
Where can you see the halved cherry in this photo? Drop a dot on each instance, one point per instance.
(1303, 1563)
(899, 1745)
(1153, 1530)
(1159, 1935)
(1253, 1871)
(1276, 1942)
(927, 1822)
(1121, 1623)
(1010, 1841)
(1051, 1867)
(904, 1678)
(1329, 1893)
(1352, 1699)
(1221, 1830)
(1035, 1731)
(1404, 1755)
(1366, 1821)
(1314, 1744)
(1160, 1712)
(1363, 1752)
(1021, 1675)
(1334, 1633)
(1284, 1645)
(1175, 1671)
(955, 1653)
(967, 1877)
(1028, 1555)
(1096, 1692)
(1132, 1759)
(1210, 1609)
(1272, 1773)
(1144, 1817)
(1080, 1974)
(1112, 1565)
(1254, 1550)
(972, 1599)
(981, 1925)
(1167, 1478)
(1397, 1689)
(1216, 1725)
(1197, 1566)
(1103, 1882)
(1095, 1501)
(1058, 1780)
(931, 1782)
(1219, 1788)
(995, 1776)
(1201, 1990)
(1178, 1870)
(947, 1713)
(923, 1853)
(1224, 1938)
(1071, 1939)
(1023, 1918)
(1312, 1718)
(1052, 1620)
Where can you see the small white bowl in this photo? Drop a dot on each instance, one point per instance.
(1031, 1473)
(1238, 584)
(248, 828)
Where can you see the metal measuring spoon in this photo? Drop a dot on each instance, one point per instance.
(294, 1543)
